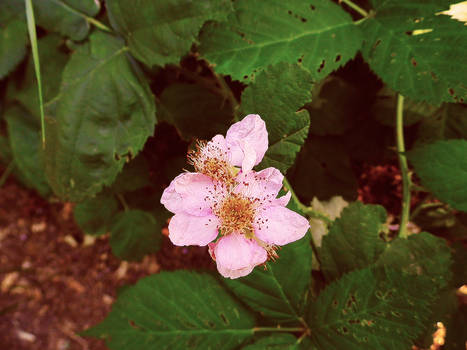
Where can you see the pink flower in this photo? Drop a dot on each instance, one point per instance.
(235, 212)
(248, 217)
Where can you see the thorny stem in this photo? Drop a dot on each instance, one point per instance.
(98, 24)
(355, 7)
(278, 329)
(404, 167)
(7, 173)
(227, 91)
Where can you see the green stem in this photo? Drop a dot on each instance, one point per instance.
(278, 329)
(98, 24)
(123, 202)
(7, 173)
(35, 56)
(405, 215)
(355, 7)
(227, 91)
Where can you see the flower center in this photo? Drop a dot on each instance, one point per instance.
(211, 160)
(236, 214)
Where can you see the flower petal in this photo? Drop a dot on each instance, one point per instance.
(236, 256)
(264, 184)
(247, 136)
(189, 192)
(279, 225)
(185, 229)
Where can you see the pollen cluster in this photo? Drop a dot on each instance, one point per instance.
(210, 160)
(236, 214)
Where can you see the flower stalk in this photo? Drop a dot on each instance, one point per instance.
(405, 214)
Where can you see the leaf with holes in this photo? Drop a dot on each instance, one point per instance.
(276, 95)
(371, 309)
(442, 168)
(96, 215)
(13, 35)
(135, 233)
(279, 292)
(353, 240)
(317, 34)
(161, 32)
(104, 113)
(68, 17)
(24, 134)
(178, 311)
(414, 49)
(421, 254)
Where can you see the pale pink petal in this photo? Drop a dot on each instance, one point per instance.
(284, 200)
(279, 225)
(185, 229)
(247, 136)
(236, 256)
(264, 184)
(189, 192)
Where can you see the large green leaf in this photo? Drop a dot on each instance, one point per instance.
(54, 60)
(13, 35)
(317, 34)
(196, 111)
(417, 51)
(104, 114)
(279, 291)
(175, 310)
(442, 168)
(96, 215)
(24, 135)
(421, 254)
(135, 233)
(353, 240)
(161, 32)
(68, 17)
(277, 94)
(371, 309)
(281, 341)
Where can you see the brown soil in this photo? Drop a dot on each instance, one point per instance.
(54, 281)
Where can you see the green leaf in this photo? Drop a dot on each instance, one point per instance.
(417, 51)
(449, 122)
(323, 170)
(13, 42)
(104, 114)
(135, 175)
(319, 35)
(96, 215)
(371, 309)
(53, 62)
(196, 111)
(24, 134)
(334, 103)
(175, 310)
(280, 290)
(161, 32)
(353, 240)
(276, 95)
(420, 254)
(68, 17)
(135, 233)
(284, 341)
(442, 168)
